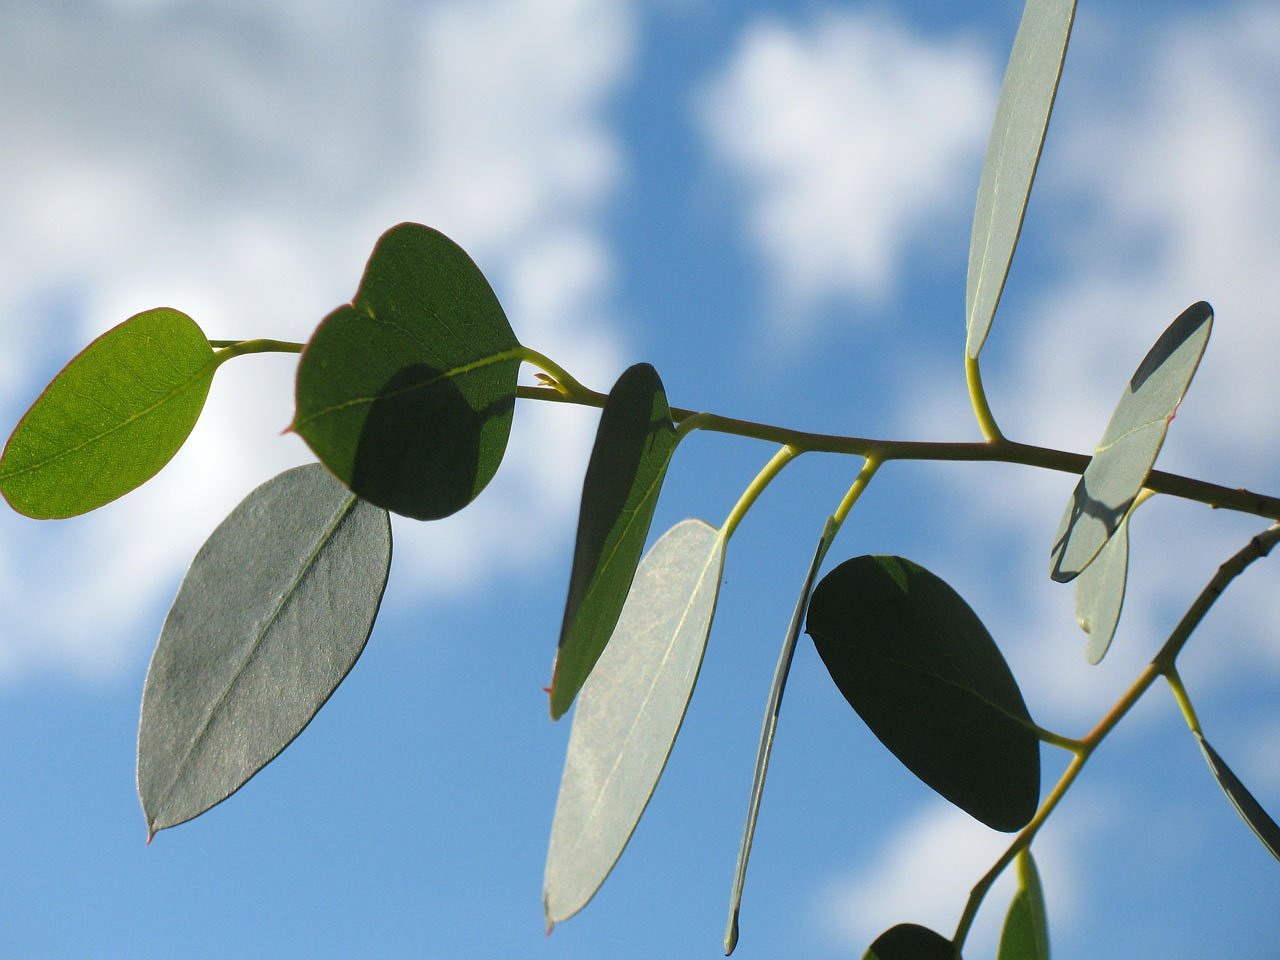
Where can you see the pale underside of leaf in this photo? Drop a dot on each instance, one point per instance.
(1013, 153)
(630, 711)
(1128, 449)
(272, 615)
(1100, 591)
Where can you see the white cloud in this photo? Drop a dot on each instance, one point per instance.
(237, 160)
(923, 874)
(851, 136)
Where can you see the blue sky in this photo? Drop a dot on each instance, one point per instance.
(770, 203)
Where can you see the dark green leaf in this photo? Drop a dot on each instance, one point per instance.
(272, 615)
(630, 711)
(1026, 925)
(634, 444)
(773, 705)
(924, 674)
(1128, 449)
(1017, 135)
(407, 395)
(1251, 812)
(112, 418)
(1100, 593)
(909, 941)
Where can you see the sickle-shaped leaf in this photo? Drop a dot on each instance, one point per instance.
(407, 394)
(1100, 593)
(910, 941)
(1017, 135)
(1128, 449)
(769, 726)
(1250, 810)
(273, 613)
(114, 416)
(634, 444)
(1026, 925)
(630, 712)
(922, 671)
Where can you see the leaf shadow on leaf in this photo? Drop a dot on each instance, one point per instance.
(1083, 505)
(422, 435)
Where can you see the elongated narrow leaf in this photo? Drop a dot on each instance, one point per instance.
(909, 941)
(407, 394)
(1017, 136)
(1250, 810)
(272, 615)
(1128, 449)
(1026, 925)
(634, 444)
(769, 726)
(114, 416)
(1100, 593)
(630, 712)
(922, 671)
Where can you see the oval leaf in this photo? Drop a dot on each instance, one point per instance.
(1013, 153)
(910, 941)
(769, 726)
(630, 711)
(1128, 449)
(1100, 593)
(922, 671)
(114, 416)
(1026, 925)
(407, 395)
(634, 444)
(272, 615)
(1250, 810)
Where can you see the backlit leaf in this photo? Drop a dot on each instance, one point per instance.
(1026, 925)
(630, 711)
(909, 941)
(922, 671)
(407, 394)
(1251, 812)
(1128, 449)
(1100, 593)
(271, 616)
(634, 444)
(768, 728)
(114, 416)
(1017, 136)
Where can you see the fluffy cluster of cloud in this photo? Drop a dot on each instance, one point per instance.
(833, 205)
(237, 160)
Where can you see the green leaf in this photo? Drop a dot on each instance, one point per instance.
(1251, 812)
(272, 615)
(1026, 925)
(769, 726)
(407, 395)
(1017, 136)
(114, 416)
(1100, 593)
(1128, 449)
(634, 444)
(922, 671)
(910, 941)
(630, 712)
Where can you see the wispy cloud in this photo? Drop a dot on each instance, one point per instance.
(238, 161)
(832, 205)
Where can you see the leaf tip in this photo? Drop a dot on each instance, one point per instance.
(731, 933)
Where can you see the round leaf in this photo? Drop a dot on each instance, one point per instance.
(1100, 593)
(634, 444)
(114, 416)
(922, 671)
(630, 712)
(1013, 153)
(407, 395)
(1132, 440)
(272, 615)
(910, 941)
